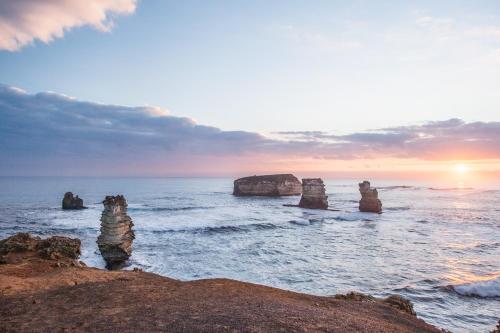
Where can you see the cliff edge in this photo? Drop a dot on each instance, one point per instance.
(50, 291)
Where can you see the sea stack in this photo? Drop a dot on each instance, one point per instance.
(72, 202)
(369, 198)
(115, 240)
(267, 185)
(313, 194)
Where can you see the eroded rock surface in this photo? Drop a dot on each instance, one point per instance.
(398, 302)
(115, 240)
(369, 198)
(313, 194)
(267, 185)
(54, 248)
(72, 202)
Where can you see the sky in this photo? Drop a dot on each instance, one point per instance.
(124, 87)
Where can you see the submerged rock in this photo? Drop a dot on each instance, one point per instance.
(267, 185)
(115, 240)
(313, 194)
(71, 202)
(369, 198)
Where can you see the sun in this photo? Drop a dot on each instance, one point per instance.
(461, 168)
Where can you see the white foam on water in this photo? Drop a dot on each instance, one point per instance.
(487, 288)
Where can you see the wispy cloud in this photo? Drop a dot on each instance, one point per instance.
(24, 21)
(317, 40)
(484, 32)
(48, 131)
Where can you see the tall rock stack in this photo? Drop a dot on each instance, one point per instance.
(313, 194)
(115, 240)
(369, 198)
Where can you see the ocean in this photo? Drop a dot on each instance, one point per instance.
(439, 247)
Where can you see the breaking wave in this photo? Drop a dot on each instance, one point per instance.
(487, 288)
(217, 229)
(167, 209)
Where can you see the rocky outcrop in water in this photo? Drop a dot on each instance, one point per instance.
(267, 185)
(72, 202)
(313, 194)
(369, 198)
(115, 240)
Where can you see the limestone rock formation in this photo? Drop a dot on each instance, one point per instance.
(267, 185)
(59, 247)
(369, 198)
(313, 194)
(71, 202)
(398, 302)
(54, 248)
(115, 240)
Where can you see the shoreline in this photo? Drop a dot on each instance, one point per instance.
(55, 292)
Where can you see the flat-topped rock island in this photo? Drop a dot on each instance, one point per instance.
(268, 185)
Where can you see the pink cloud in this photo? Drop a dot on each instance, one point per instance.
(24, 21)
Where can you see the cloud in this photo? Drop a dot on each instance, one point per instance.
(317, 40)
(484, 32)
(51, 133)
(24, 21)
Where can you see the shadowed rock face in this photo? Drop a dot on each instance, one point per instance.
(70, 202)
(313, 194)
(369, 198)
(268, 185)
(115, 240)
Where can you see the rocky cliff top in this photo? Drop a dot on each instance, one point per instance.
(117, 200)
(278, 178)
(40, 296)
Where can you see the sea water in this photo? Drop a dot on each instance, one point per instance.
(438, 247)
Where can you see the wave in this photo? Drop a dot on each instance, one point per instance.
(487, 288)
(217, 229)
(167, 209)
(396, 187)
(350, 218)
(397, 208)
(300, 222)
(450, 188)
